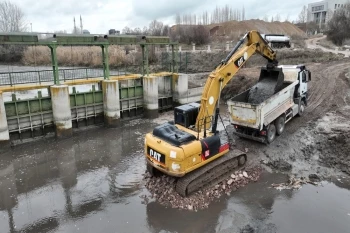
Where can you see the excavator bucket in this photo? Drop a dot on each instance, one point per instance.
(270, 82)
(274, 75)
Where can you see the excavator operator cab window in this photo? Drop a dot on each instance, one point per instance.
(306, 76)
(303, 75)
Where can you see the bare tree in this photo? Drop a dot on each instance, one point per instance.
(11, 18)
(287, 18)
(278, 17)
(166, 30)
(243, 13)
(178, 19)
(126, 30)
(339, 27)
(155, 28)
(303, 15)
(145, 30)
(266, 18)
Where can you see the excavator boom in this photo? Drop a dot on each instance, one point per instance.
(224, 72)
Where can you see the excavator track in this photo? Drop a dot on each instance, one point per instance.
(212, 173)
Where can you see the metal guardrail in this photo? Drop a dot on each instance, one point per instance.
(40, 76)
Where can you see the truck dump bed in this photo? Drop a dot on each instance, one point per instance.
(245, 113)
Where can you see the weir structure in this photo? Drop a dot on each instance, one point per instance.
(111, 98)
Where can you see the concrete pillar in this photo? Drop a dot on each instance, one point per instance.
(4, 131)
(180, 89)
(61, 110)
(208, 50)
(111, 103)
(167, 48)
(180, 49)
(193, 47)
(150, 96)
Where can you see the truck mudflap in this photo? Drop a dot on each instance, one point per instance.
(259, 139)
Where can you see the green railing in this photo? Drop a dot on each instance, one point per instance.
(40, 76)
(183, 60)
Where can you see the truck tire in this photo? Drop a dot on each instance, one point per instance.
(271, 133)
(280, 123)
(301, 108)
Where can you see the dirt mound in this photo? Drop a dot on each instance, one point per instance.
(240, 27)
(206, 62)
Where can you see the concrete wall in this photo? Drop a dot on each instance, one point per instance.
(150, 96)
(4, 132)
(66, 110)
(111, 103)
(61, 110)
(182, 94)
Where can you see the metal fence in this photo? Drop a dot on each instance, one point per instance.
(183, 59)
(40, 76)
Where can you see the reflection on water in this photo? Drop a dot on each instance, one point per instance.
(93, 183)
(50, 184)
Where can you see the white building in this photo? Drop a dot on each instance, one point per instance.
(322, 12)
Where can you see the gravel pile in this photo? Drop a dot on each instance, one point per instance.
(162, 190)
(262, 91)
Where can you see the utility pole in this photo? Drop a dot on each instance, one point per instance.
(81, 25)
(31, 28)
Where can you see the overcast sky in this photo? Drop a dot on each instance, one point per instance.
(100, 16)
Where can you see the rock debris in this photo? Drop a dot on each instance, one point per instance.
(162, 190)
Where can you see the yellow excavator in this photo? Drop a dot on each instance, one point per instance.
(190, 147)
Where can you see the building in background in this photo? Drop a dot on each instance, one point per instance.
(321, 12)
(113, 32)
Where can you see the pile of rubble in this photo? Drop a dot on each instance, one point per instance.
(296, 183)
(162, 190)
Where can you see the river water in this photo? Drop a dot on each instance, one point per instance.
(93, 183)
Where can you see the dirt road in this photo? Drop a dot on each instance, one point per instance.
(312, 44)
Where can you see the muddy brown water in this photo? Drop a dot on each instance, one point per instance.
(93, 183)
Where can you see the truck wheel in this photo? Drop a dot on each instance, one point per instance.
(280, 123)
(271, 133)
(301, 108)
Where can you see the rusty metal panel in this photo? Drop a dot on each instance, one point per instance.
(122, 39)
(157, 40)
(18, 38)
(76, 39)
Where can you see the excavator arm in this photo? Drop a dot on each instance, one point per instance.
(250, 44)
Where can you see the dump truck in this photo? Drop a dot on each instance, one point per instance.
(277, 40)
(261, 112)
